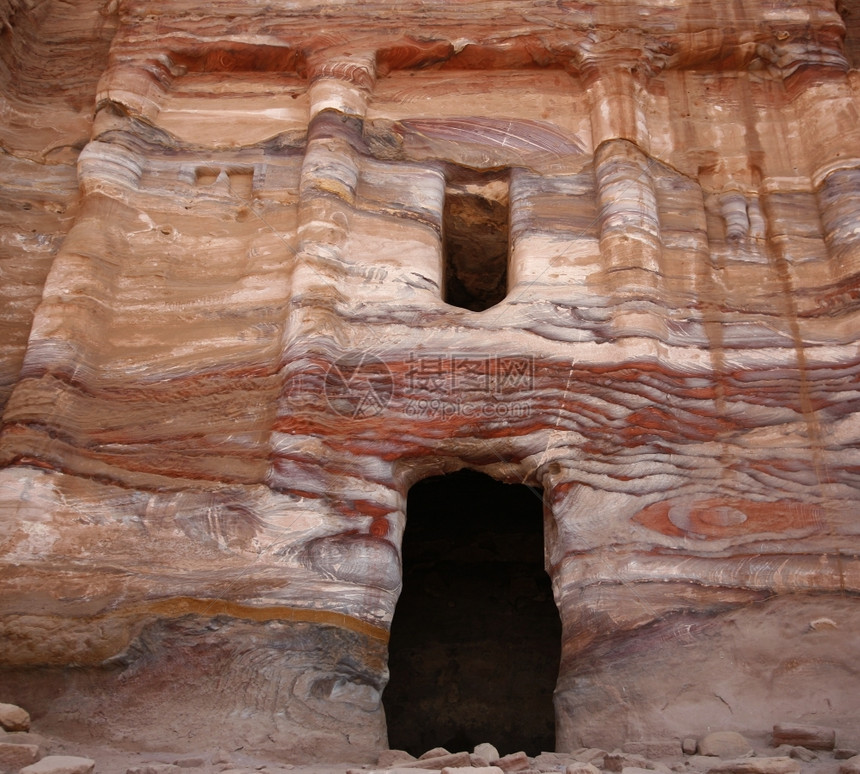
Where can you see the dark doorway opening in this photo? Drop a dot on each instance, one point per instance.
(476, 637)
(476, 229)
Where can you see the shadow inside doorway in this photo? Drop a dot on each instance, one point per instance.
(476, 637)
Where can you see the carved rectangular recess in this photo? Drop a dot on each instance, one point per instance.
(237, 182)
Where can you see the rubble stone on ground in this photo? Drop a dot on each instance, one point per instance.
(777, 765)
(725, 744)
(811, 737)
(20, 755)
(801, 753)
(618, 760)
(14, 718)
(553, 761)
(593, 755)
(16, 756)
(436, 752)
(851, 766)
(154, 767)
(487, 751)
(388, 758)
(654, 748)
(191, 762)
(702, 762)
(456, 760)
(28, 737)
(394, 770)
(581, 768)
(517, 761)
(60, 764)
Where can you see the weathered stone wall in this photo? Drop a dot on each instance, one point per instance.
(229, 355)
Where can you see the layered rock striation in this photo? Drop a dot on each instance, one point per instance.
(270, 266)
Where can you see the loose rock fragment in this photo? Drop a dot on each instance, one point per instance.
(454, 760)
(689, 745)
(394, 770)
(14, 718)
(60, 764)
(28, 737)
(725, 744)
(16, 756)
(779, 765)
(487, 751)
(590, 755)
(654, 748)
(802, 754)
(388, 758)
(810, 737)
(702, 762)
(617, 761)
(551, 761)
(517, 761)
(851, 766)
(192, 762)
(581, 768)
(436, 752)
(154, 767)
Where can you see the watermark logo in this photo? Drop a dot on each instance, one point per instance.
(474, 385)
(453, 373)
(469, 385)
(358, 386)
(457, 406)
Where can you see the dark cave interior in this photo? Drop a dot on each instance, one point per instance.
(476, 637)
(476, 228)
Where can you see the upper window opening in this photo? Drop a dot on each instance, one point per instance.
(476, 229)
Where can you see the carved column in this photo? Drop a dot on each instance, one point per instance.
(627, 203)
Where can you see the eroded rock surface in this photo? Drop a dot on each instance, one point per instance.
(244, 249)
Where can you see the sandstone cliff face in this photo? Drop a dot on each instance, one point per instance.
(266, 268)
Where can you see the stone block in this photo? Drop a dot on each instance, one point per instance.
(655, 748)
(517, 761)
(453, 760)
(60, 764)
(851, 766)
(725, 744)
(14, 718)
(779, 765)
(618, 760)
(552, 761)
(388, 758)
(472, 770)
(581, 768)
(436, 752)
(810, 737)
(487, 751)
(16, 756)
